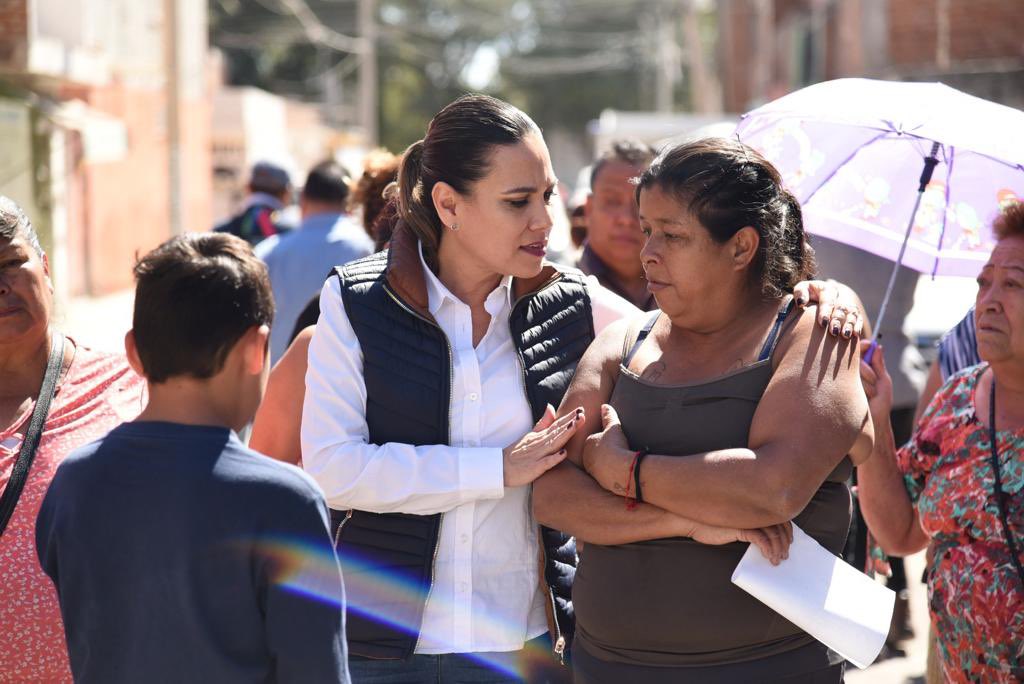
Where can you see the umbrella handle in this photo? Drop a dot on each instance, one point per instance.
(870, 353)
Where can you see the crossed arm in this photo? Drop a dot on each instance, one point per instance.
(812, 414)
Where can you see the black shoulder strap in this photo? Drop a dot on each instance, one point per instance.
(773, 336)
(19, 474)
(997, 485)
(641, 336)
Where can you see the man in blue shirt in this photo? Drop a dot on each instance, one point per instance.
(299, 262)
(178, 554)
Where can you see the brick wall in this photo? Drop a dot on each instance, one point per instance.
(913, 31)
(977, 30)
(13, 34)
(941, 39)
(986, 29)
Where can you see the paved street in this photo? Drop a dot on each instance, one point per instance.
(911, 668)
(97, 322)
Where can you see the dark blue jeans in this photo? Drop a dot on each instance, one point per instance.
(534, 663)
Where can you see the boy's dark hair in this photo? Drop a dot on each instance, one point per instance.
(195, 296)
(327, 182)
(632, 152)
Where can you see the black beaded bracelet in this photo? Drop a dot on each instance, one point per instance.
(640, 456)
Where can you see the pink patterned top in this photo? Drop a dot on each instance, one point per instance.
(99, 392)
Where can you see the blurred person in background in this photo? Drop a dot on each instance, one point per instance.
(275, 431)
(93, 393)
(578, 225)
(957, 349)
(270, 192)
(868, 275)
(380, 169)
(612, 250)
(299, 261)
(958, 484)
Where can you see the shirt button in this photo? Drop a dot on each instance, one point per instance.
(474, 396)
(464, 538)
(463, 587)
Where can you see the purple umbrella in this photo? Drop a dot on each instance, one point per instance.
(853, 151)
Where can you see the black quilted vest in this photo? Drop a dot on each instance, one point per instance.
(407, 372)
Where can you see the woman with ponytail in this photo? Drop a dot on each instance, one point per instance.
(432, 376)
(728, 407)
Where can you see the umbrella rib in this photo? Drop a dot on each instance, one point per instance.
(945, 213)
(841, 164)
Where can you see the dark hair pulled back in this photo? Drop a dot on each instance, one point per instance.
(729, 185)
(456, 150)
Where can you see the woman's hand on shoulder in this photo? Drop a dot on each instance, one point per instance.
(839, 309)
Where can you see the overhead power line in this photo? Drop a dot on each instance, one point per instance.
(562, 66)
(323, 35)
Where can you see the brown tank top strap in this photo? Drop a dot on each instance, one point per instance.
(776, 331)
(641, 336)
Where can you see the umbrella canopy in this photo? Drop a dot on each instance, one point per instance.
(852, 151)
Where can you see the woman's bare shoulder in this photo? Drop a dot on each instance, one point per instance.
(611, 342)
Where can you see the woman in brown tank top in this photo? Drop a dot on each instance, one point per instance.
(737, 411)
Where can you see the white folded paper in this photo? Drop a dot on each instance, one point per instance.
(842, 608)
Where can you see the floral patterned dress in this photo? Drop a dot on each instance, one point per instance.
(98, 393)
(976, 599)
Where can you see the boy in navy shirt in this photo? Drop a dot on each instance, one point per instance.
(178, 553)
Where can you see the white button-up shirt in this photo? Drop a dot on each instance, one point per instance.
(486, 588)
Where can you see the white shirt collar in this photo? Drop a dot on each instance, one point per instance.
(438, 294)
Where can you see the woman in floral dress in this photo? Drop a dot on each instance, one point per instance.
(943, 486)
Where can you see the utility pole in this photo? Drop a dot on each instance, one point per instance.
(173, 98)
(705, 89)
(368, 70)
(666, 62)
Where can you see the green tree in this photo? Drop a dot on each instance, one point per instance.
(564, 61)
